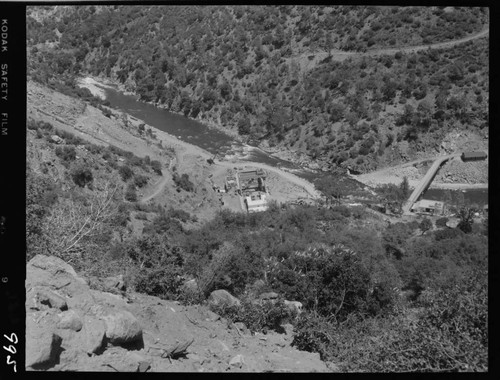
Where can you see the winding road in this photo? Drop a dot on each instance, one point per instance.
(339, 55)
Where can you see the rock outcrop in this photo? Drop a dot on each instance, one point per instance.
(71, 327)
(222, 298)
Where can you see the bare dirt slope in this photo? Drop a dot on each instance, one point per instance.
(121, 130)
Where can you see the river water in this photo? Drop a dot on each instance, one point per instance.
(196, 133)
(215, 141)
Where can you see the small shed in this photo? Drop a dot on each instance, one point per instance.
(428, 207)
(473, 156)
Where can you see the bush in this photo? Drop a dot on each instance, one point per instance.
(257, 317)
(156, 166)
(130, 193)
(313, 334)
(69, 138)
(343, 210)
(182, 215)
(125, 172)
(441, 222)
(140, 180)
(82, 176)
(66, 153)
(331, 280)
(159, 282)
(183, 182)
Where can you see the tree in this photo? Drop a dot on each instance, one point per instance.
(330, 186)
(404, 186)
(125, 172)
(466, 216)
(156, 166)
(82, 176)
(131, 194)
(425, 225)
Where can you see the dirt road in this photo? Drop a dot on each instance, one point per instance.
(339, 55)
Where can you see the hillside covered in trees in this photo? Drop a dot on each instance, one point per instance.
(406, 296)
(378, 293)
(253, 69)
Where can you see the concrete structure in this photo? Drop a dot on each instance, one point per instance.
(256, 201)
(473, 156)
(230, 183)
(425, 182)
(428, 207)
(252, 180)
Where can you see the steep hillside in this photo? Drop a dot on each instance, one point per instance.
(71, 327)
(245, 69)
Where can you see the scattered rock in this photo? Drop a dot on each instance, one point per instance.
(211, 316)
(56, 139)
(50, 271)
(222, 298)
(242, 328)
(44, 296)
(122, 327)
(268, 296)
(115, 283)
(42, 346)
(92, 335)
(70, 320)
(122, 361)
(294, 306)
(237, 361)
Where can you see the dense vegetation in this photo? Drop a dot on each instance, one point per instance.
(376, 297)
(245, 68)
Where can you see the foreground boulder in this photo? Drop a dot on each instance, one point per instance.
(222, 298)
(52, 272)
(44, 346)
(122, 328)
(115, 283)
(70, 320)
(92, 335)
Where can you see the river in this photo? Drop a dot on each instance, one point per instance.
(196, 133)
(215, 141)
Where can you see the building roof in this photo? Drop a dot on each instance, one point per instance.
(427, 203)
(474, 155)
(252, 174)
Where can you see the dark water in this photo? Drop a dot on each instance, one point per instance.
(196, 133)
(478, 197)
(185, 129)
(214, 141)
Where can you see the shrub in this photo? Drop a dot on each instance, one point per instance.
(441, 222)
(313, 334)
(69, 138)
(125, 172)
(257, 317)
(159, 282)
(182, 215)
(343, 210)
(156, 166)
(330, 280)
(130, 193)
(160, 263)
(425, 225)
(183, 182)
(140, 180)
(66, 153)
(82, 176)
